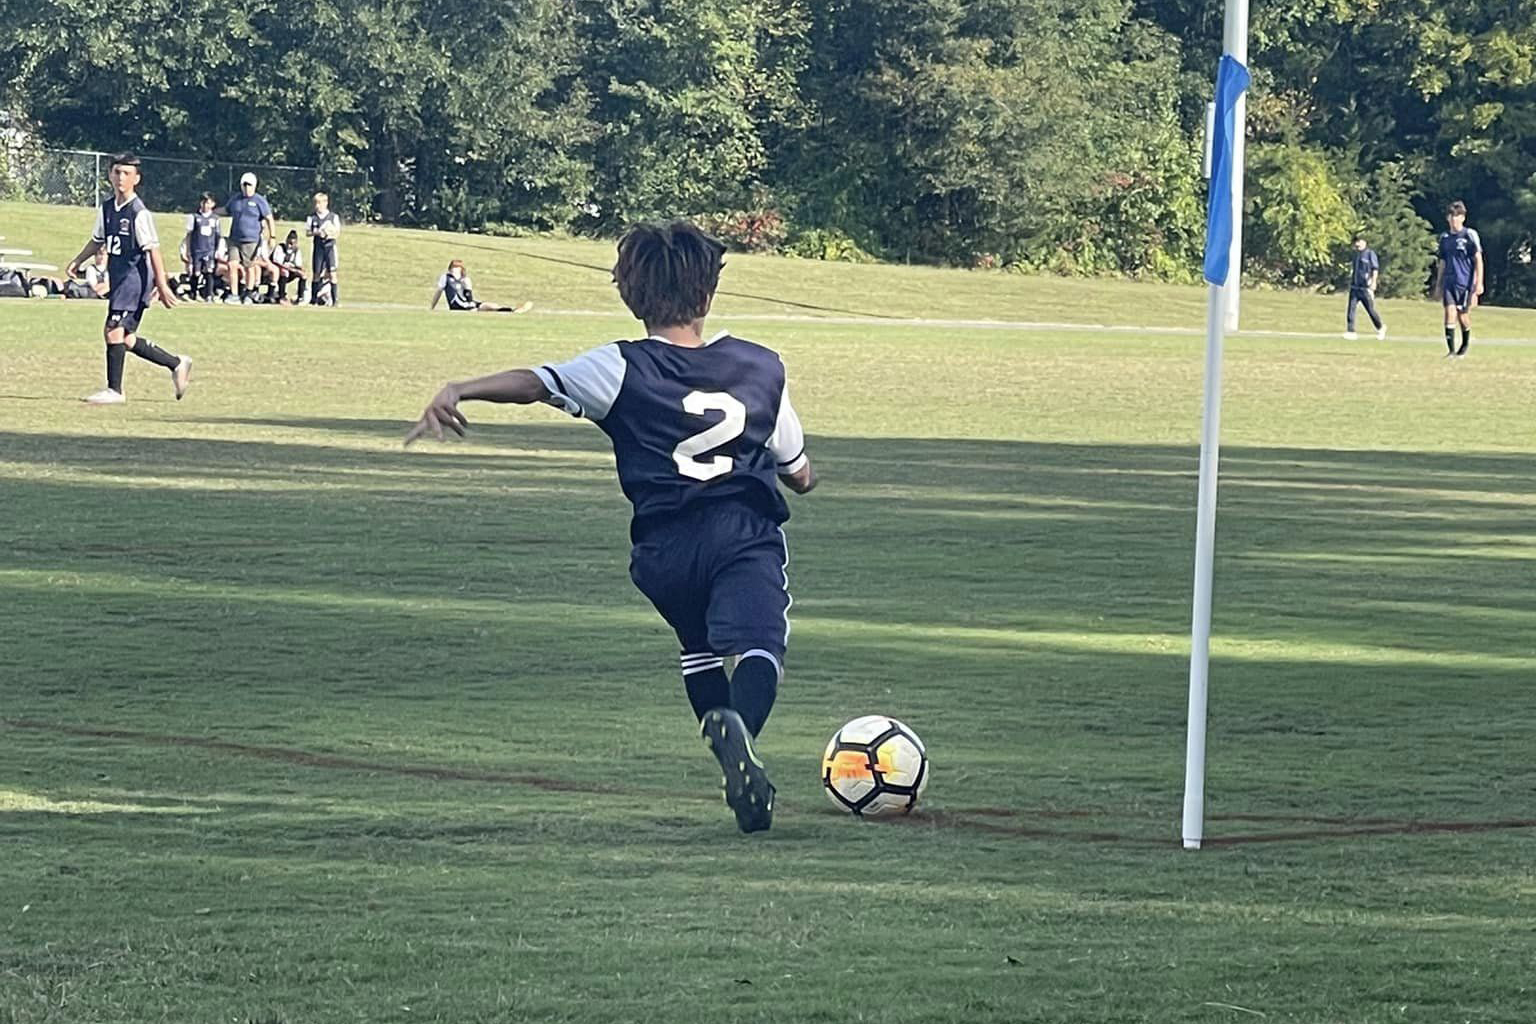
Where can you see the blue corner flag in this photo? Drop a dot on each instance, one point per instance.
(1231, 79)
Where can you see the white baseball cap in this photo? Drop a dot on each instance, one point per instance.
(247, 178)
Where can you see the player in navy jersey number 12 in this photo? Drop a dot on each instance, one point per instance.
(125, 229)
(703, 433)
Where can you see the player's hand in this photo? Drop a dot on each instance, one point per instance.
(167, 297)
(442, 411)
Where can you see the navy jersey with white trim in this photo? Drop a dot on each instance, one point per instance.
(1459, 250)
(687, 424)
(127, 233)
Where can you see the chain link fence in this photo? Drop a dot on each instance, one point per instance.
(70, 177)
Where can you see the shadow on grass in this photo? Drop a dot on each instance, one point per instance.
(1380, 601)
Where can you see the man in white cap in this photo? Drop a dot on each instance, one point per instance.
(250, 223)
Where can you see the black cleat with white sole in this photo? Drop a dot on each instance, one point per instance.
(747, 789)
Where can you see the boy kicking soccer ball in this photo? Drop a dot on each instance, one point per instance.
(126, 231)
(703, 433)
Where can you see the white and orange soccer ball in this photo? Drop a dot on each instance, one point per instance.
(875, 767)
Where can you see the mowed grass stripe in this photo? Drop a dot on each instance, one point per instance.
(999, 554)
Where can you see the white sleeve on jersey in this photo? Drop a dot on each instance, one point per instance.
(191, 221)
(99, 232)
(787, 443)
(587, 385)
(1477, 240)
(144, 230)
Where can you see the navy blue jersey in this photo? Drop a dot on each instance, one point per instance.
(459, 292)
(245, 216)
(1365, 265)
(204, 231)
(1458, 251)
(687, 424)
(127, 233)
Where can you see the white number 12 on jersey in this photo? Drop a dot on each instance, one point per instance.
(727, 430)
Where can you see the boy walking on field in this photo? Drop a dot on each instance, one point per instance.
(126, 231)
(703, 434)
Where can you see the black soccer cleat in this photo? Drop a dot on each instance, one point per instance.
(747, 789)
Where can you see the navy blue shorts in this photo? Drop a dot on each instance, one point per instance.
(204, 263)
(323, 256)
(127, 319)
(1459, 296)
(718, 573)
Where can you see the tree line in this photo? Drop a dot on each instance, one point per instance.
(1039, 134)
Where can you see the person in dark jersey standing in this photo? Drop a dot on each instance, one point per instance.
(125, 229)
(703, 435)
(1458, 277)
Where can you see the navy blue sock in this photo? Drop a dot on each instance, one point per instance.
(146, 349)
(115, 356)
(754, 687)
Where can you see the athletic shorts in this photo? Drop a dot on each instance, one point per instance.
(203, 263)
(127, 319)
(245, 251)
(718, 573)
(323, 257)
(1459, 296)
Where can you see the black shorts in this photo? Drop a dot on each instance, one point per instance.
(1459, 296)
(718, 573)
(324, 256)
(127, 319)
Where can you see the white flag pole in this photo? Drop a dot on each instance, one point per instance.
(1220, 314)
(1205, 549)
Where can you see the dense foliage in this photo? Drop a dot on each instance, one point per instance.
(1033, 133)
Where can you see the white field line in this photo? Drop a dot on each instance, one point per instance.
(1366, 339)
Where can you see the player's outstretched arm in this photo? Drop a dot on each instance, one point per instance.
(519, 387)
(802, 480)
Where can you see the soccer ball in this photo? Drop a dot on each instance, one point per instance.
(875, 767)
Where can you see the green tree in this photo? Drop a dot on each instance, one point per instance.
(684, 96)
(1298, 215)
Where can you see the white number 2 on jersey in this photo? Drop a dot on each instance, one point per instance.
(114, 246)
(727, 430)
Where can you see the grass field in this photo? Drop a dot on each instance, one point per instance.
(296, 726)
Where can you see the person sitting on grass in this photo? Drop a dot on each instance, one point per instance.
(288, 259)
(456, 286)
(97, 284)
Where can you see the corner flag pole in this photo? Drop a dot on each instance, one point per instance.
(1223, 260)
